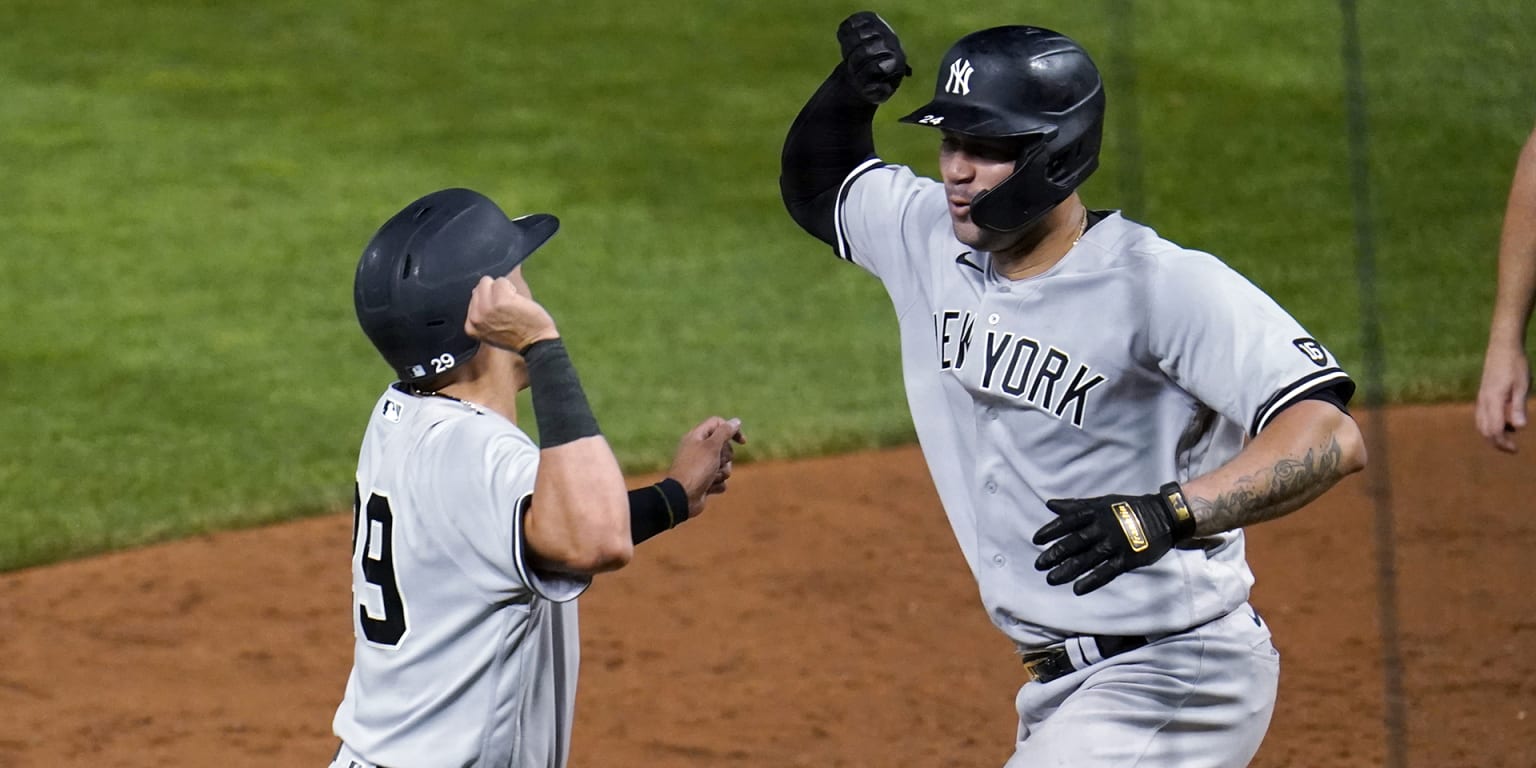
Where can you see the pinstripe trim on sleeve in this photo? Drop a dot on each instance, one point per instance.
(559, 588)
(1299, 390)
(842, 197)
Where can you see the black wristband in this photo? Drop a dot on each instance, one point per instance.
(656, 508)
(559, 405)
(1183, 520)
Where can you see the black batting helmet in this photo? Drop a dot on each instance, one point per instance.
(1029, 83)
(416, 275)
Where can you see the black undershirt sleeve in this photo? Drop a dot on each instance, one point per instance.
(830, 137)
(1337, 395)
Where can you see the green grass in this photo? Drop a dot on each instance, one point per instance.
(187, 187)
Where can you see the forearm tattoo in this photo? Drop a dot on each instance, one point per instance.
(1272, 492)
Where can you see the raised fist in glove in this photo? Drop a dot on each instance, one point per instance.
(872, 57)
(1106, 536)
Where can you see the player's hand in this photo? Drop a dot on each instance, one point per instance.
(504, 314)
(1501, 397)
(872, 56)
(1106, 536)
(703, 461)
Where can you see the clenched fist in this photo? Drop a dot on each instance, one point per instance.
(703, 461)
(503, 313)
(872, 57)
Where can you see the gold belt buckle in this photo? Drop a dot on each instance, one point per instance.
(1032, 661)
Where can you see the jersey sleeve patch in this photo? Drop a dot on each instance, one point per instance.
(1331, 378)
(1313, 350)
(843, 248)
(559, 588)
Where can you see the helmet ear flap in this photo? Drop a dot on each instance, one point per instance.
(1016, 202)
(1065, 163)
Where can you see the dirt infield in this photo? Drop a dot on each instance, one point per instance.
(821, 615)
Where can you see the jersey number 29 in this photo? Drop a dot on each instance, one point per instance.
(374, 525)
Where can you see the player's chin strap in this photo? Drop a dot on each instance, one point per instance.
(1102, 537)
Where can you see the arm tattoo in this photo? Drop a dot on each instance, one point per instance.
(1272, 492)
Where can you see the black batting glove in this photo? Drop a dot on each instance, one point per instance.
(1106, 536)
(873, 60)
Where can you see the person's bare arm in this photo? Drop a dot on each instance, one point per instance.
(579, 519)
(1303, 452)
(1506, 370)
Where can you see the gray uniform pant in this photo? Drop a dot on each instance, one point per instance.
(1201, 698)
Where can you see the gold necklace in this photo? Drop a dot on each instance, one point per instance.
(1082, 229)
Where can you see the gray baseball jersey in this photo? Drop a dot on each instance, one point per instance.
(1130, 363)
(464, 655)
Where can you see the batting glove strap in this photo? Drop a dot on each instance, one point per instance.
(1178, 509)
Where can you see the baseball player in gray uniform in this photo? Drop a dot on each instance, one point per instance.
(470, 542)
(1101, 410)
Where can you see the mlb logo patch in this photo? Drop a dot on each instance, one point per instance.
(392, 411)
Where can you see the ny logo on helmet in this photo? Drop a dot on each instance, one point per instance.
(959, 77)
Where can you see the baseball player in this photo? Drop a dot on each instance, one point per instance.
(1101, 410)
(470, 542)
